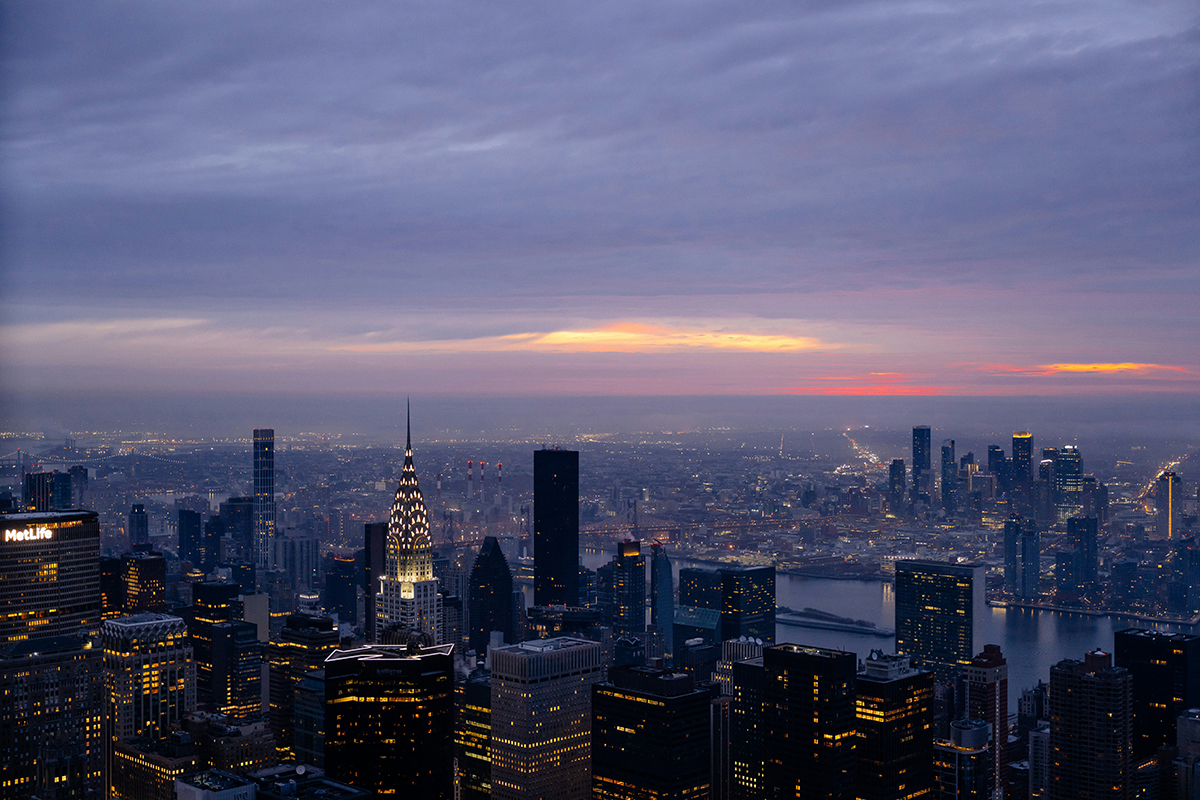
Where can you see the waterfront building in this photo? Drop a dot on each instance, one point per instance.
(663, 718)
(491, 597)
(1091, 729)
(555, 527)
(744, 596)
(1165, 668)
(53, 702)
(894, 748)
(302, 647)
(1031, 561)
(962, 764)
(939, 605)
(1082, 533)
(1068, 482)
(1012, 553)
(408, 597)
(46, 491)
(389, 719)
(542, 720)
(264, 496)
(810, 722)
(985, 685)
(49, 574)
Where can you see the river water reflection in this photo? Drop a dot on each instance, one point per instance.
(1032, 641)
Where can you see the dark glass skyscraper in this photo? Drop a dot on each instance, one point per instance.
(662, 597)
(1085, 557)
(190, 530)
(937, 605)
(949, 477)
(374, 556)
(629, 589)
(491, 597)
(302, 647)
(264, 495)
(922, 449)
(555, 527)
(389, 719)
(896, 485)
(139, 528)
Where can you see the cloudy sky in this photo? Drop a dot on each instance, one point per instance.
(844, 197)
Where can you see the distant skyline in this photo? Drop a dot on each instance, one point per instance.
(852, 198)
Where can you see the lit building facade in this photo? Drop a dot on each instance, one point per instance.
(962, 764)
(49, 574)
(53, 693)
(937, 606)
(389, 719)
(894, 710)
(629, 589)
(302, 647)
(542, 719)
(650, 736)
(408, 596)
(149, 677)
(985, 683)
(472, 737)
(810, 722)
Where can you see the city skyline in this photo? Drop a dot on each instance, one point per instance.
(856, 200)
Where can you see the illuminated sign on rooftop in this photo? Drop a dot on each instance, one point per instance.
(28, 535)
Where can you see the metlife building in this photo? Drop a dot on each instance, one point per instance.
(49, 574)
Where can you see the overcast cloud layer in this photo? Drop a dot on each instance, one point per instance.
(978, 196)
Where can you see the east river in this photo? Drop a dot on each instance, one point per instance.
(1032, 640)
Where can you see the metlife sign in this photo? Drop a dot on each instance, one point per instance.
(28, 535)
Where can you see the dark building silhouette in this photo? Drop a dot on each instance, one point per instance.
(191, 542)
(1091, 729)
(49, 574)
(1031, 561)
(662, 597)
(922, 465)
(1012, 553)
(650, 736)
(302, 646)
(374, 554)
(491, 589)
(629, 589)
(949, 477)
(962, 764)
(896, 485)
(139, 528)
(1165, 668)
(264, 498)
(308, 738)
(1022, 458)
(985, 690)
(237, 522)
(555, 527)
(389, 719)
(341, 589)
(47, 491)
(894, 707)
(810, 722)
(937, 606)
(112, 589)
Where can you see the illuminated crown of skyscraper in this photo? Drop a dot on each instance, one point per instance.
(409, 548)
